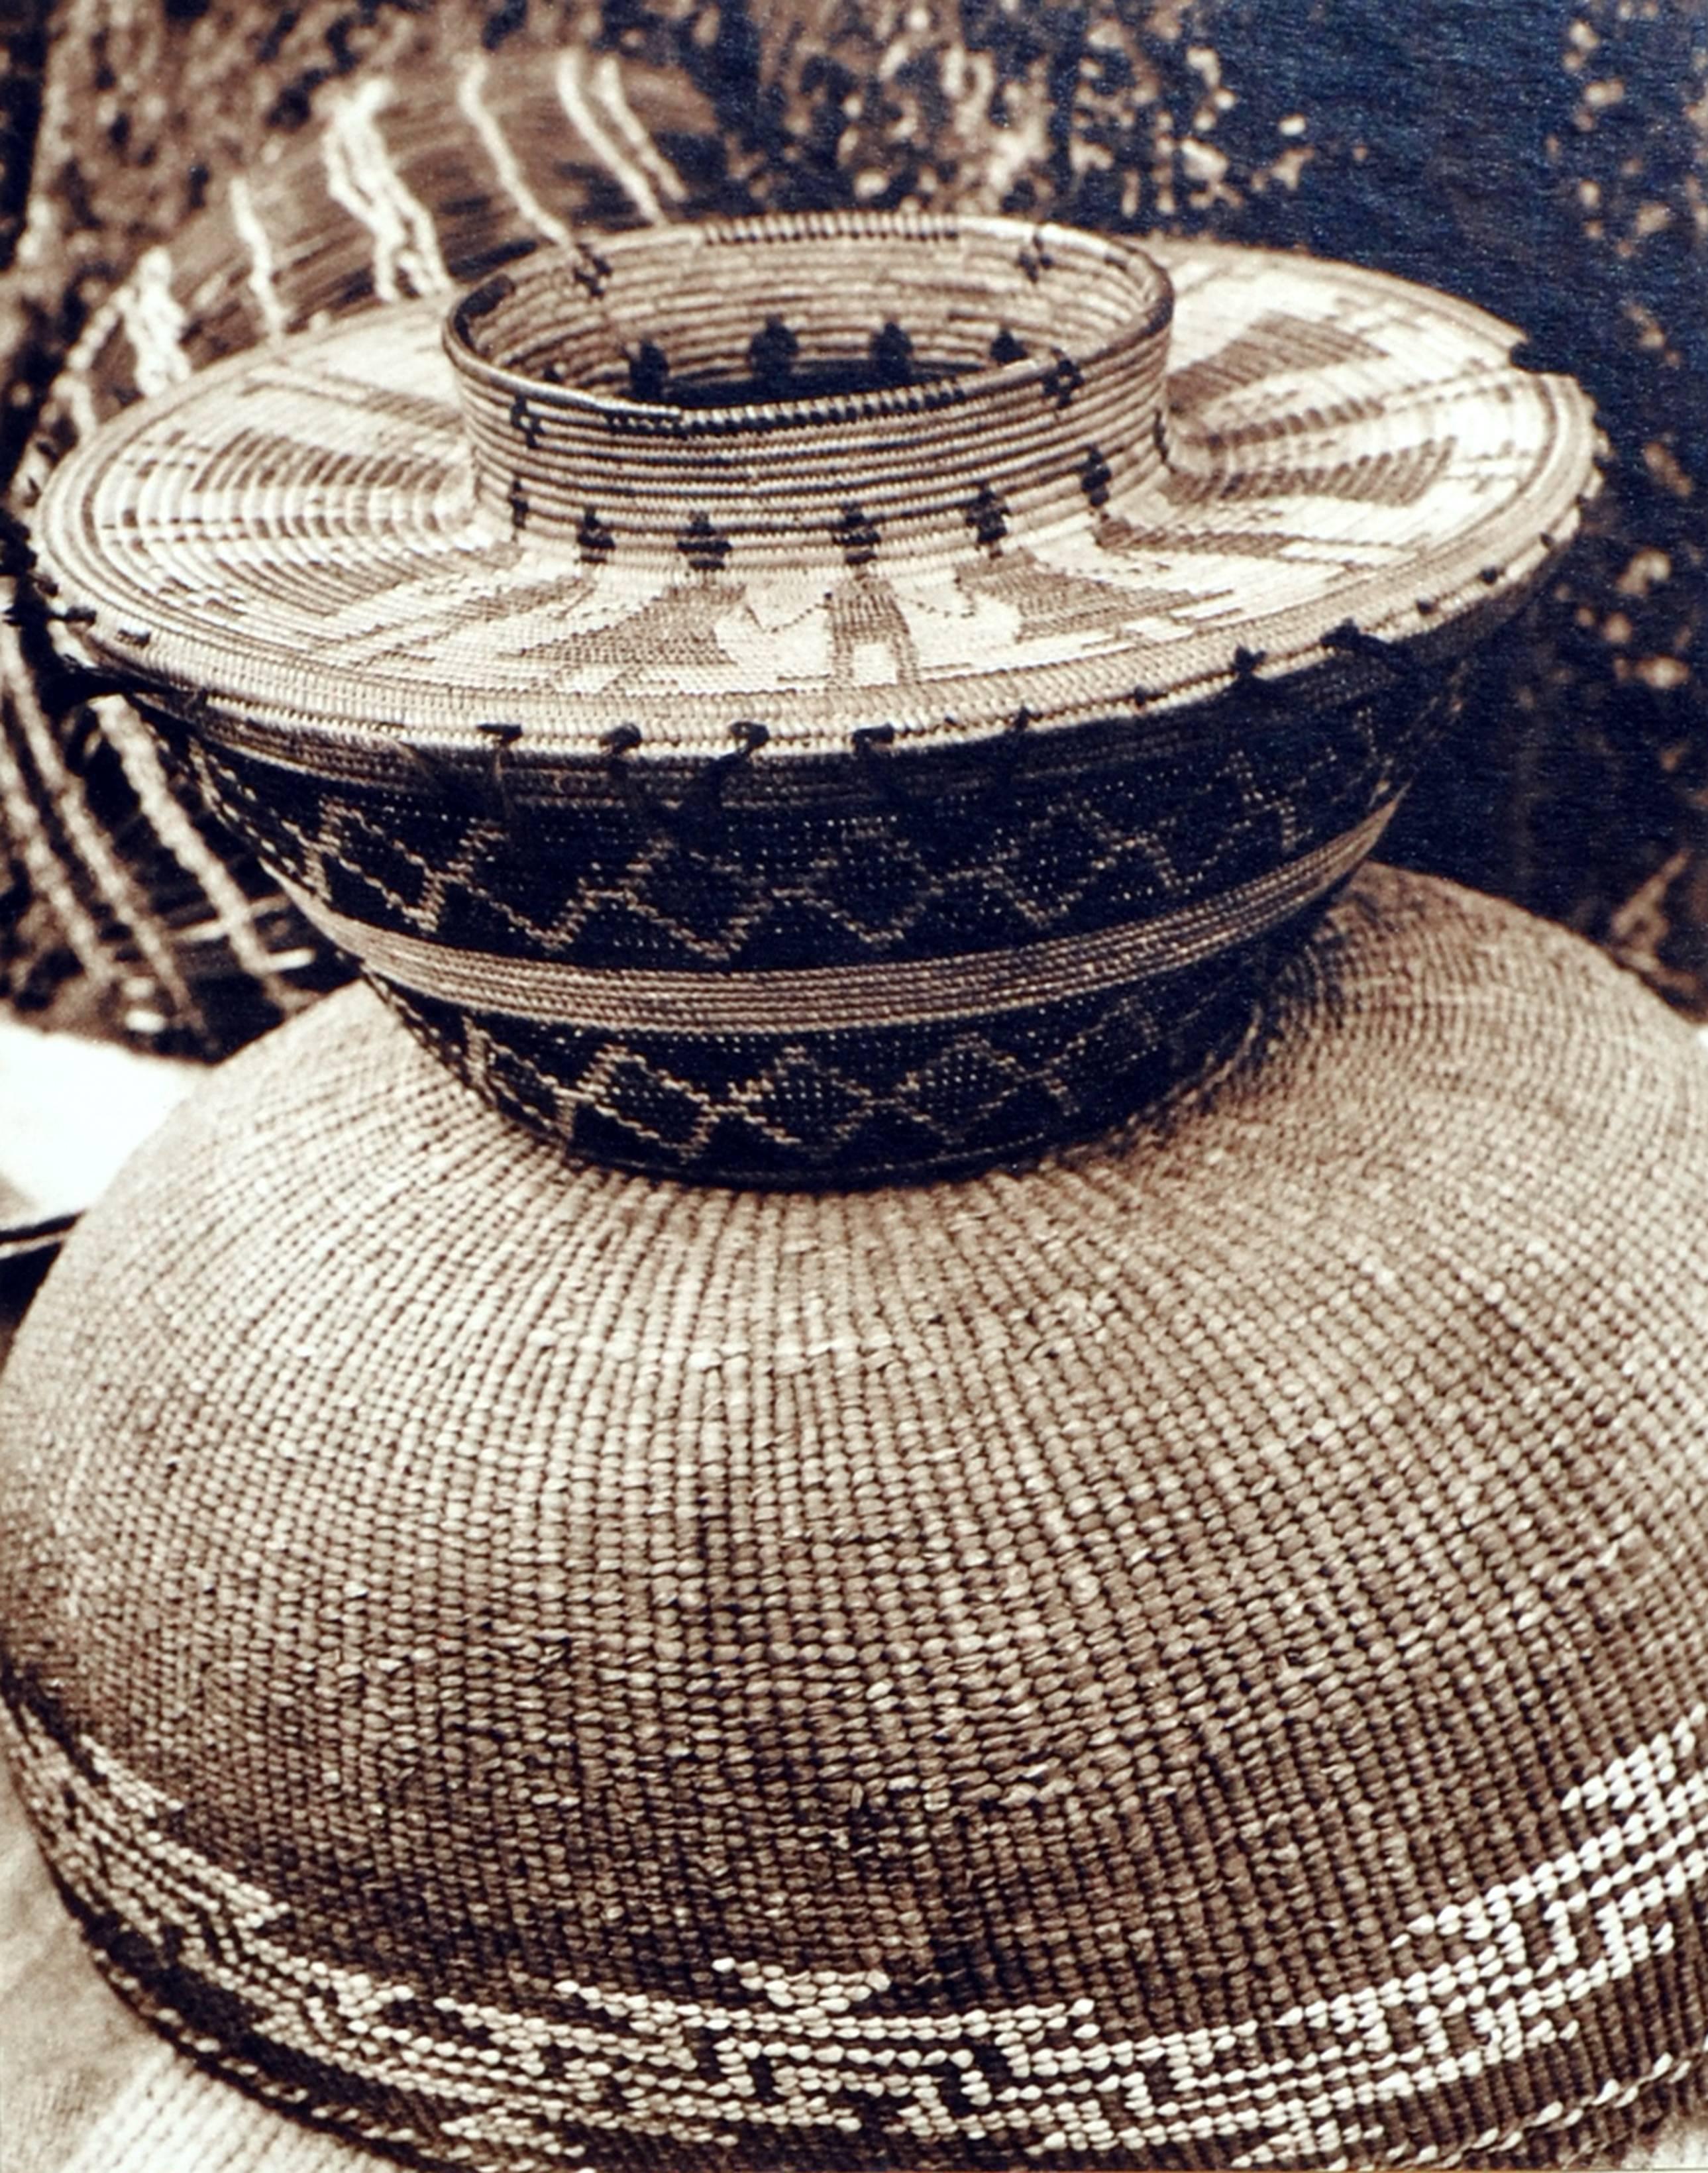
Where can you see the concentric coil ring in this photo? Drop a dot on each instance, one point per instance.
(737, 383)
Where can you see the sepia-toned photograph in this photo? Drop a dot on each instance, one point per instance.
(853, 1086)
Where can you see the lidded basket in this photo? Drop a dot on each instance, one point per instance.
(1196, 1655)
(825, 698)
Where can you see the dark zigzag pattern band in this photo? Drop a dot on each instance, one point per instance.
(832, 998)
(1483, 1983)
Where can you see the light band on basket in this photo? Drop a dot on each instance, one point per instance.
(831, 999)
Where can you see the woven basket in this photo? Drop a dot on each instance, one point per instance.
(1197, 1655)
(802, 699)
(1190, 1652)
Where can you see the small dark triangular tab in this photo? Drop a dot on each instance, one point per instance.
(1095, 476)
(771, 358)
(594, 536)
(1062, 380)
(987, 516)
(648, 373)
(704, 546)
(856, 536)
(892, 355)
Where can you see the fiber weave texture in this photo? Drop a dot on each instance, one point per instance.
(204, 175)
(1197, 1655)
(830, 697)
(891, 967)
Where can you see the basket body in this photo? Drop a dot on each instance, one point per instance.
(909, 965)
(1195, 1655)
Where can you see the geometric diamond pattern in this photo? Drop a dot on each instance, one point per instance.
(849, 1107)
(935, 857)
(612, 880)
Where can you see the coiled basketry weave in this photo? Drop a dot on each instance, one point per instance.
(825, 698)
(1196, 1655)
(1185, 1648)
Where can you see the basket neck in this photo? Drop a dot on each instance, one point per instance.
(813, 390)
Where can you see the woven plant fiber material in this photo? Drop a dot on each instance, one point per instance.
(829, 697)
(816, 472)
(1194, 1655)
(182, 940)
(333, 161)
(90, 2089)
(916, 963)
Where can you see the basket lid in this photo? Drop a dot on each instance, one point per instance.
(815, 474)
